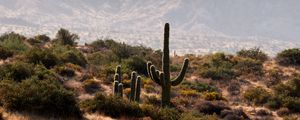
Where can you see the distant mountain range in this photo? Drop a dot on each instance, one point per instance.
(197, 26)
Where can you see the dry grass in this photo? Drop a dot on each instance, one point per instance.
(95, 116)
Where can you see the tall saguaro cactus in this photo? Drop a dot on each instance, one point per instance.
(163, 77)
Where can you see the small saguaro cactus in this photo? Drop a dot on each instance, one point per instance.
(163, 77)
(135, 87)
(118, 86)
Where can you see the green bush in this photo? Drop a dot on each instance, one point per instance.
(289, 57)
(69, 54)
(75, 58)
(211, 107)
(200, 87)
(99, 45)
(42, 56)
(211, 96)
(42, 38)
(156, 113)
(218, 66)
(38, 40)
(253, 53)
(16, 71)
(257, 95)
(65, 71)
(288, 94)
(13, 42)
(91, 86)
(112, 106)
(46, 97)
(5, 53)
(290, 88)
(137, 64)
(235, 114)
(197, 116)
(249, 66)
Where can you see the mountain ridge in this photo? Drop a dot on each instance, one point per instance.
(140, 22)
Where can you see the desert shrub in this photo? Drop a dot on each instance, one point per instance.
(64, 37)
(197, 116)
(273, 103)
(263, 112)
(234, 88)
(253, 53)
(152, 100)
(33, 42)
(65, 71)
(45, 97)
(236, 114)
(219, 66)
(102, 58)
(69, 54)
(283, 112)
(212, 96)
(112, 106)
(289, 57)
(91, 86)
(189, 93)
(38, 40)
(211, 107)
(13, 41)
(42, 38)
(42, 56)
(199, 87)
(16, 71)
(74, 57)
(175, 67)
(249, 66)
(149, 88)
(290, 88)
(257, 95)
(292, 103)
(122, 51)
(137, 64)
(274, 77)
(157, 113)
(5, 53)
(98, 45)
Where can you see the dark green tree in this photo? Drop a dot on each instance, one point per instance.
(64, 37)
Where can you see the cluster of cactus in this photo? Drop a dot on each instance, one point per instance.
(163, 77)
(135, 85)
(118, 85)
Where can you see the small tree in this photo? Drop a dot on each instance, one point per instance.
(289, 57)
(254, 53)
(64, 37)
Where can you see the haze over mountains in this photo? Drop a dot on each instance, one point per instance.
(197, 26)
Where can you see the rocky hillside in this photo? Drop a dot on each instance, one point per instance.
(55, 78)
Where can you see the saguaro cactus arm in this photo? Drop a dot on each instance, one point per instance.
(180, 77)
(148, 69)
(154, 74)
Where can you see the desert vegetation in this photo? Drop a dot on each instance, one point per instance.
(56, 78)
